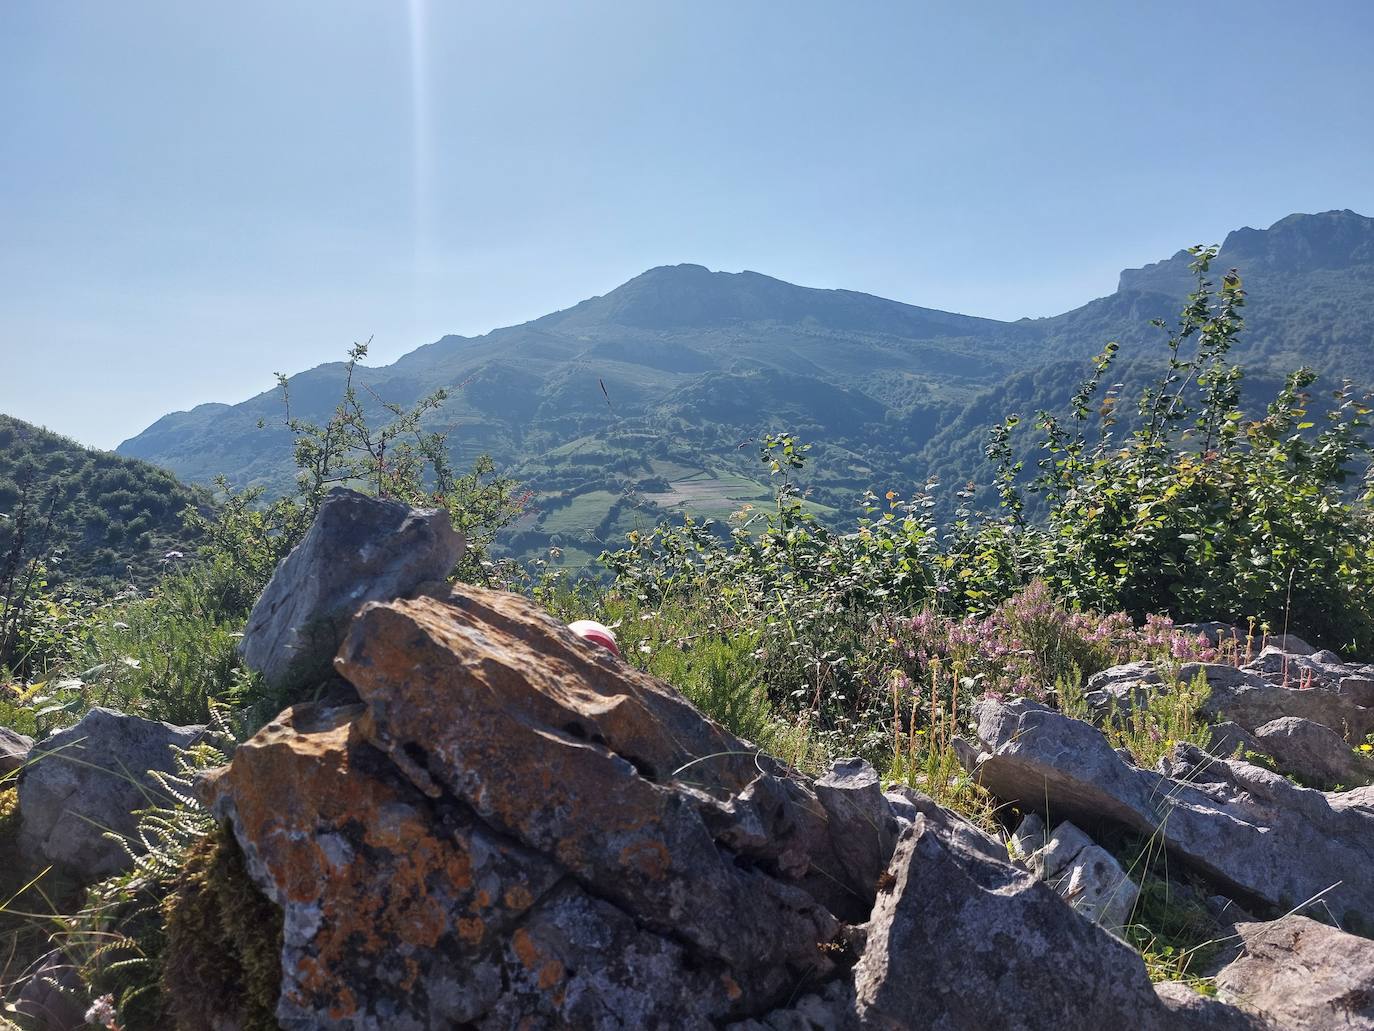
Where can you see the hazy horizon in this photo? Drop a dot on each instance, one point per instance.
(196, 198)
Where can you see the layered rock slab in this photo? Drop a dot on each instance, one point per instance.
(1249, 829)
(486, 698)
(403, 913)
(1303, 976)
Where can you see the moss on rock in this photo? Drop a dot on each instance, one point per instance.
(224, 942)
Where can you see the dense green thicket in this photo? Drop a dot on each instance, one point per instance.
(113, 519)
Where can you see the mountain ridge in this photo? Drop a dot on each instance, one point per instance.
(598, 398)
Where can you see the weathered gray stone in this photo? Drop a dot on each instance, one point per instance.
(1314, 753)
(1122, 687)
(1302, 976)
(862, 827)
(358, 549)
(14, 750)
(1231, 741)
(1357, 689)
(1248, 829)
(90, 778)
(1290, 643)
(1061, 848)
(1247, 698)
(961, 940)
(1094, 884)
(1194, 1012)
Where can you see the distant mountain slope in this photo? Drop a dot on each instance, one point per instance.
(114, 518)
(696, 363)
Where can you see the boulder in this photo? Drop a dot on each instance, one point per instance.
(1194, 1012)
(961, 940)
(14, 750)
(1122, 687)
(1061, 848)
(1085, 875)
(358, 549)
(1289, 643)
(1314, 753)
(1302, 976)
(1250, 830)
(1359, 689)
(1096, 887)
(92, 778)
(516, 825)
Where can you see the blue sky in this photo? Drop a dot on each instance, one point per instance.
(193, 196)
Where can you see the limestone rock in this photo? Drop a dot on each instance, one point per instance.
(1248, 829)
(1061, 848)
(862, 826)
(961, 940)
(90, 778)
(358, 549)
(1313, 752)
(1249, 699)
(1303, 976)
(569, 751)
(514, 825)
(14, 750)
(1097, 888)
(1122, 687)
(1231, 741)
(1193, 1012)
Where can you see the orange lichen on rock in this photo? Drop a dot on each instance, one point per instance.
(557, 743)
(352, 853)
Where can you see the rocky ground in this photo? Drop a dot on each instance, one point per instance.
(490, 823)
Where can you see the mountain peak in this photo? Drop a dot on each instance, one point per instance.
(681, 297)
(1294, 244)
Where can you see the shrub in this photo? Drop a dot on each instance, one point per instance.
(1202, 511)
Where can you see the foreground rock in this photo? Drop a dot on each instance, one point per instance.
(1314, 753)
(1251, 831)
(92, 778)
(358, 549)
(1303, 976)
(516, 824)
(962, 940)
(515, 828)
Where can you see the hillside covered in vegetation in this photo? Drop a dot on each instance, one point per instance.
(650, 400)
(91, 517)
